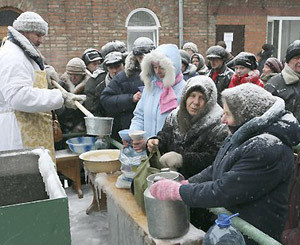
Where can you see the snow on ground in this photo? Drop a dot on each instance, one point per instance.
(86, 229)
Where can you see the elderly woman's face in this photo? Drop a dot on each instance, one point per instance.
(195, 102)
(159, 71)
(227, 117)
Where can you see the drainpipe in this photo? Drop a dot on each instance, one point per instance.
(180, 7)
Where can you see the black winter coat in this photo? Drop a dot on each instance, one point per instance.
(251, 172)
(93, 89)
(289, 93)
(198, 146)
(222, 80)
(117, 101)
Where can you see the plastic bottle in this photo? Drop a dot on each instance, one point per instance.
(222, 233)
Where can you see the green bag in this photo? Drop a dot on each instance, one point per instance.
(142, 172)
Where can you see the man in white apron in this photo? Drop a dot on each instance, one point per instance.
(25, 100)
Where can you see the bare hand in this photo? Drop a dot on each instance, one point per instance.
(152, 145)
(137, 96)
(125, 143)
(139, 145)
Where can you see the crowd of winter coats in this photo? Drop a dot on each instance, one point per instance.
(110, 78)
(130, 86)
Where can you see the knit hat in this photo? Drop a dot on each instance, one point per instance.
(113, 58)
(216, 52)
(191, 46)
(246, 59)
(76, 66)
(292, 50)
(90, 55)
(31, 22)
(185, 57)
(275, 64)
(247, 101)
(142, 45)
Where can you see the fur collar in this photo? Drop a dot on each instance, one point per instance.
(250, 77)
(147, 75)
(79, 88)
(20, 40)
(131, 65)
(290, 76)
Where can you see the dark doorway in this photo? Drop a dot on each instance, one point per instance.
(7, 18)
(237, 32)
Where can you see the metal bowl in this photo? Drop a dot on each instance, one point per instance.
(98, 125)
(101, 161)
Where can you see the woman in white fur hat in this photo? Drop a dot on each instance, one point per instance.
(25, 99)
(161, 74)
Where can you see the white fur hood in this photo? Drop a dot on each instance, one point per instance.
(168, 57)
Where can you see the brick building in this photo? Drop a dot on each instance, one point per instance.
(77, 25)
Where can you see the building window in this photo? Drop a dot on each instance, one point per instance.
(142, 22)
(281, 32)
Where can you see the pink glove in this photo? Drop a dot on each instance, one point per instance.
(184, 182)
(166, 190)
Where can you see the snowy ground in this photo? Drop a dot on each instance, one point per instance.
(86, 229)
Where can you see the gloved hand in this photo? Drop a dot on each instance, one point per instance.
(71, 98)
(172, 160)
(166, 190)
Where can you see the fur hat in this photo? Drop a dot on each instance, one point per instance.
(247, 101)
(113, 58)
(274, 64)
(113, 46)
(191, 46)
(292, 50)
(185, 57)
(89, 55)
(216, 52)
(246, 59)
(76, 66)
(142, 45)
(31, 22)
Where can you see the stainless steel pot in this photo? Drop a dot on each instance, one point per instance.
(166, 219)
(98, 125)
(165, 173)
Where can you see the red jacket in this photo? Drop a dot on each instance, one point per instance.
(251, 77)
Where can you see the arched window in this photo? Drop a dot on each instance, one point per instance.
(142, 22)
(7, 18)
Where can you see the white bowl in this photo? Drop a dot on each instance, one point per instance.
(137, 134)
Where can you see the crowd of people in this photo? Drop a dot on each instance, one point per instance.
(228, 124)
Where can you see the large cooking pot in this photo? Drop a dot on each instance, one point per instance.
(98, 125)
(166, 219)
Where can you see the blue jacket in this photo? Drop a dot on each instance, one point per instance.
(251, 172)
(147, 114)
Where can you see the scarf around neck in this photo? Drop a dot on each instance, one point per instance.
(168, 99)
(20, 40)
(290, 76)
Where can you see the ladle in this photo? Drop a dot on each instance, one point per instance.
(79, 106)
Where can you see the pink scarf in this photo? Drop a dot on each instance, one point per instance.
(168, 99)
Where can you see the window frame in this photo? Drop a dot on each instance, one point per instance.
(140, 29)
(271, 19)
